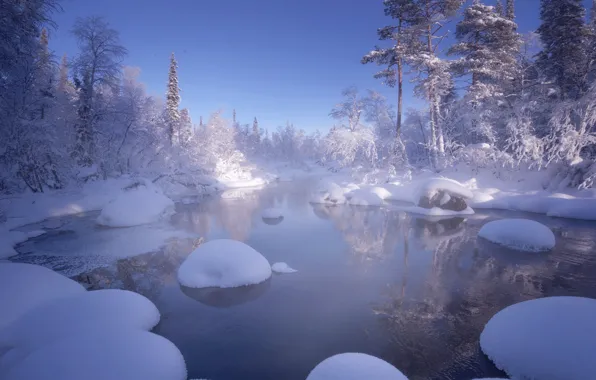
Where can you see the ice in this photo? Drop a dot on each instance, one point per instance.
(103, 354)
(431, 186)
(25, 286)
(272, 213)
(223, 263)
(8, 239)
(142, 204)
(100, 309)
(355, 366)
(519, 234)
(365, 197)
(328, 193)
(282, 268)
(546, 338)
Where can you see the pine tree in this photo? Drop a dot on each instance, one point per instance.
(45, 73)
(63, 74)
(234, 121)
(563, 59)
(200, 121)
(499, 8)
(173, 102)
(404, 42)
(510, 10)
(185, 125)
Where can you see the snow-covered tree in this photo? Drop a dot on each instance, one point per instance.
(510, 10)
(185, 127)
(563, 59)
(173, 103)
(350, 110)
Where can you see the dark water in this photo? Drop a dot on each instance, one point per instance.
(413, 291)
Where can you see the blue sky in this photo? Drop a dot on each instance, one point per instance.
(277, 60)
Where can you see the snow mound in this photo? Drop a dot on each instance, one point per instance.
(142, 204)
(435, 211)
(365, 197)
(431, 186)
(382, 192)
(223, 263)
(519, 234)
(272, 213)
(282, 268)
(53, 320)
(24, 287)
(546, 338)
(350, 187)
(328, 193)
(355, 366)
(100, 355)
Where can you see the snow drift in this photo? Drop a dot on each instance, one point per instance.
(519, 234)
(355, 366)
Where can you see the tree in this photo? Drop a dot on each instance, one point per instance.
(99, 64)
(350, 109)
(510, 10)
(63, 74)
(563, 59)
(186, 128)
(403, 43)
(173, 103)
(499, 8)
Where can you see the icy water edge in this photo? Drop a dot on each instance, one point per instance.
(411, 290)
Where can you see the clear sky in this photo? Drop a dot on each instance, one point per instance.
(277, 60)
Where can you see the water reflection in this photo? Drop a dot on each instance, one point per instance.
(223, 298)
(273, 221)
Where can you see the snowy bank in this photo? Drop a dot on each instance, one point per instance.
(364, 197)
(546, 338)
(24, 287)
(519, 234)
(115, 354)
(328, 193)
(100, 309)
(355, 366)
(223, 263)
(282, 268)
(140, 203)
(9, 239)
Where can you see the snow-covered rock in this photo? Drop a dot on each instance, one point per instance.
(223, 263)
(519, 234)
(365, 197)
(282, 268)
(328, 193)
(143, 203)
(24, 287)
(100, 309)
(103, 354)
(272, 213)
(355, 366)
(449, 186)
(546, 338)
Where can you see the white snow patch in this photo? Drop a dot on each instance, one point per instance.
(8, 239)
(519, 234)
(100, 309)
(282, 268)
(365, 197)
(450, 186)
(272, 213)
(240, 183)
(143, 204)
(103, 354)
(355, 366)
(435, 211)
(545, 338)
(382, 192)
(223, 263)
(24, 287)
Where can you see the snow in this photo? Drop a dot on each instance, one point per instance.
(143, 204)
(223, 263)
(381, 192)
(24, 287)
(103, 354)
(546, 338)
(365, 197)
(100, 309)
(584, 209)
(272, 213)
(434, 211)
(519, 234)
(328, 193)
(282, 268)
(355, 366)
(450, 186)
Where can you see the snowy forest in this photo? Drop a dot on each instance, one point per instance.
(495, 99)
